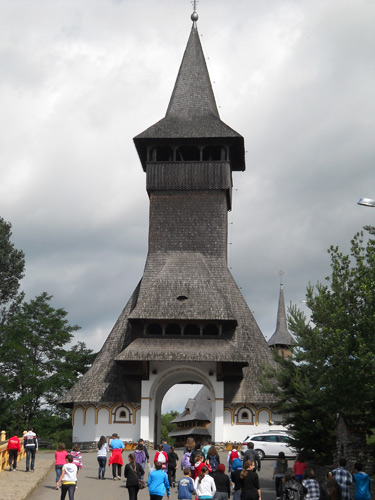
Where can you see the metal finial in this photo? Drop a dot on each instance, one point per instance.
(194, 16)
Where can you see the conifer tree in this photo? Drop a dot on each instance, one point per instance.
(332, 370)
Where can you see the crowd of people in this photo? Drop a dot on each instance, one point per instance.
(203, 475)
(299, 482)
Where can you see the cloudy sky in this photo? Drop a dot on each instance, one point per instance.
(80, 78)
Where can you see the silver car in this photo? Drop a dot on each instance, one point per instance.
(269, 444)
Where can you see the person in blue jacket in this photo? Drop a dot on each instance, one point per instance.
(157, 483)
(362, 483)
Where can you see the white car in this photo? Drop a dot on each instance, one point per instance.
(269, 444)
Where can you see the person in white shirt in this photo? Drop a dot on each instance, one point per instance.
(68, 479)
(204, 485)
(103, 449)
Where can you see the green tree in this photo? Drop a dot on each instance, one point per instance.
(12, 266)
(332, 370)
(167, 426)
(36, 366)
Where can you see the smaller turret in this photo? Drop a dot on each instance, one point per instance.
(281, 339)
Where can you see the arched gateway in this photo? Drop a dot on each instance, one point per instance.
(151, 403)
(187, 319)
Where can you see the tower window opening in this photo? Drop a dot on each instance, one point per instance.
(160, 153)
(173, 329)
(214, 153)
(154, 329)
(181, 298)
(210, 329)
(192, 329)
(188, 153)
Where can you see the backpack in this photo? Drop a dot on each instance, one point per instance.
(213, 462)
(185, 462)
(233, 455)
(161, 458)
(140, 456)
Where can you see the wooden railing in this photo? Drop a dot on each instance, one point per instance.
(4, 459)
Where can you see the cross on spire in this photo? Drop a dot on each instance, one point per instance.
(281, 274)
(194, 16)
(194, 4)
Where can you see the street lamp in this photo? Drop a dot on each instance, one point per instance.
(366, 202)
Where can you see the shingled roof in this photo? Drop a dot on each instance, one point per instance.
(197, 408)
(183, 288)
(183, 349)
(192, 110)
(281, 336)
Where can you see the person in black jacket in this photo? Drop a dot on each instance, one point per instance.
(222, 483)
(172, 466)
(133, 473)
(292, 489)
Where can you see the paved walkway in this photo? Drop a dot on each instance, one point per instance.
(20, 484)
(40, 485)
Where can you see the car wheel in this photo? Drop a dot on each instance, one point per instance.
(261, 454)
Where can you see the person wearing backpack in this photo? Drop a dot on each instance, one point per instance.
(140, 457)
(185, 462)
(161, 457)
(213, 458)
(232, 455)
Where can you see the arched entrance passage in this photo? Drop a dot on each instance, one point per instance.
(166, 375)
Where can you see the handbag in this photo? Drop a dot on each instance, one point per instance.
(141, 483)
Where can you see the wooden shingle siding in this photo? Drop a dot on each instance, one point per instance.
(186, 176)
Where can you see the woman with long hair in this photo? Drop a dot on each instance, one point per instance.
(101, 456)
(299, 467)
(279, 468)
(190, 443)
(213, 458)
(204, 485)
(133, 473)
(60, 455)
(249, 482)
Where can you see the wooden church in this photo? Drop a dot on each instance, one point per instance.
(186, 321)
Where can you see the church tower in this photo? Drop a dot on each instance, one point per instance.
(281, 339)
(187, 321)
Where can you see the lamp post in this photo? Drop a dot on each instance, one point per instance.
(366, 202)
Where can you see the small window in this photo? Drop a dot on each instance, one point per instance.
(191, 330)
(154, 329)
(164, 154)
(245, 415)
(173, 329)
(210, 330)
(214, 153)
(188, 153)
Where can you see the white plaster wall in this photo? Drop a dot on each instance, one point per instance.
(238, 432)
(92, 432)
